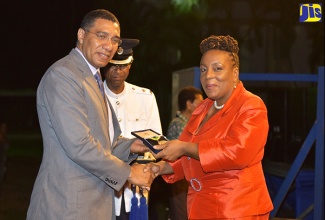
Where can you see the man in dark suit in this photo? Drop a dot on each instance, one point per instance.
(84, 160)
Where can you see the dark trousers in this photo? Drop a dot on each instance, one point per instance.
(158, 199)
(178, 200)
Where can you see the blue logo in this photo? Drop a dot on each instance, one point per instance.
(310, 12)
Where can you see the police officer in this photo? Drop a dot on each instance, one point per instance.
(135, 107)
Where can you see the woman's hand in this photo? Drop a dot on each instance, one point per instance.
(160, 168)
(153, 167)
(172, 150)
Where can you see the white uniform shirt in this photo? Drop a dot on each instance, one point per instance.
(136, 109)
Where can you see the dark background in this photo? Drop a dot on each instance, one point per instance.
(36, 33)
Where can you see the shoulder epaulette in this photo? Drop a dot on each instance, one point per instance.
(141, 90)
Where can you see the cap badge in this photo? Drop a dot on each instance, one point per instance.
(119, 50)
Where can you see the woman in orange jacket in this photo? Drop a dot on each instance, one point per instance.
(220, 150)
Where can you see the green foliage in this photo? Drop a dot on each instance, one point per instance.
(184, 5)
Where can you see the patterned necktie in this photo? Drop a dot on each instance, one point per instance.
(101, 88)
(100, 84)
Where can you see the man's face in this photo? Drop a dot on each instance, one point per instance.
(115, 77)
(99, 43)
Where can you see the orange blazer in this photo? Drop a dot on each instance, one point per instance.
(228, 180)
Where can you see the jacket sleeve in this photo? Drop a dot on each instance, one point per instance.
(122, 151)
(178, 172)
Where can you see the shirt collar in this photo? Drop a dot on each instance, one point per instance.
(112, 94)
(92, 69)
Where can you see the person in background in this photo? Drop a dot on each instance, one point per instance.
(188, 99)
(135, 108)
(84, 159)
(221, 148)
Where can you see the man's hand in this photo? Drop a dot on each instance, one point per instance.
(139, 177)
(138, 147)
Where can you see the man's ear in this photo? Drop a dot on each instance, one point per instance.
(81, 35)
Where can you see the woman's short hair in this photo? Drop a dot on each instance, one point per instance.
(224, 43)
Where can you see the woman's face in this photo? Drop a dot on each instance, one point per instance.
(218, 75)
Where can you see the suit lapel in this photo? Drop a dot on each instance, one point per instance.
(89, 78)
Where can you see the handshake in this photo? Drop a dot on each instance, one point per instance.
(143, 175)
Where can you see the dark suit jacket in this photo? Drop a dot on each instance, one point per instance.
(80, 169)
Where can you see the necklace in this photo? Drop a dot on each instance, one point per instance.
(218, 107)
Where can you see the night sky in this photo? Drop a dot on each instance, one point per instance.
(34, 35)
